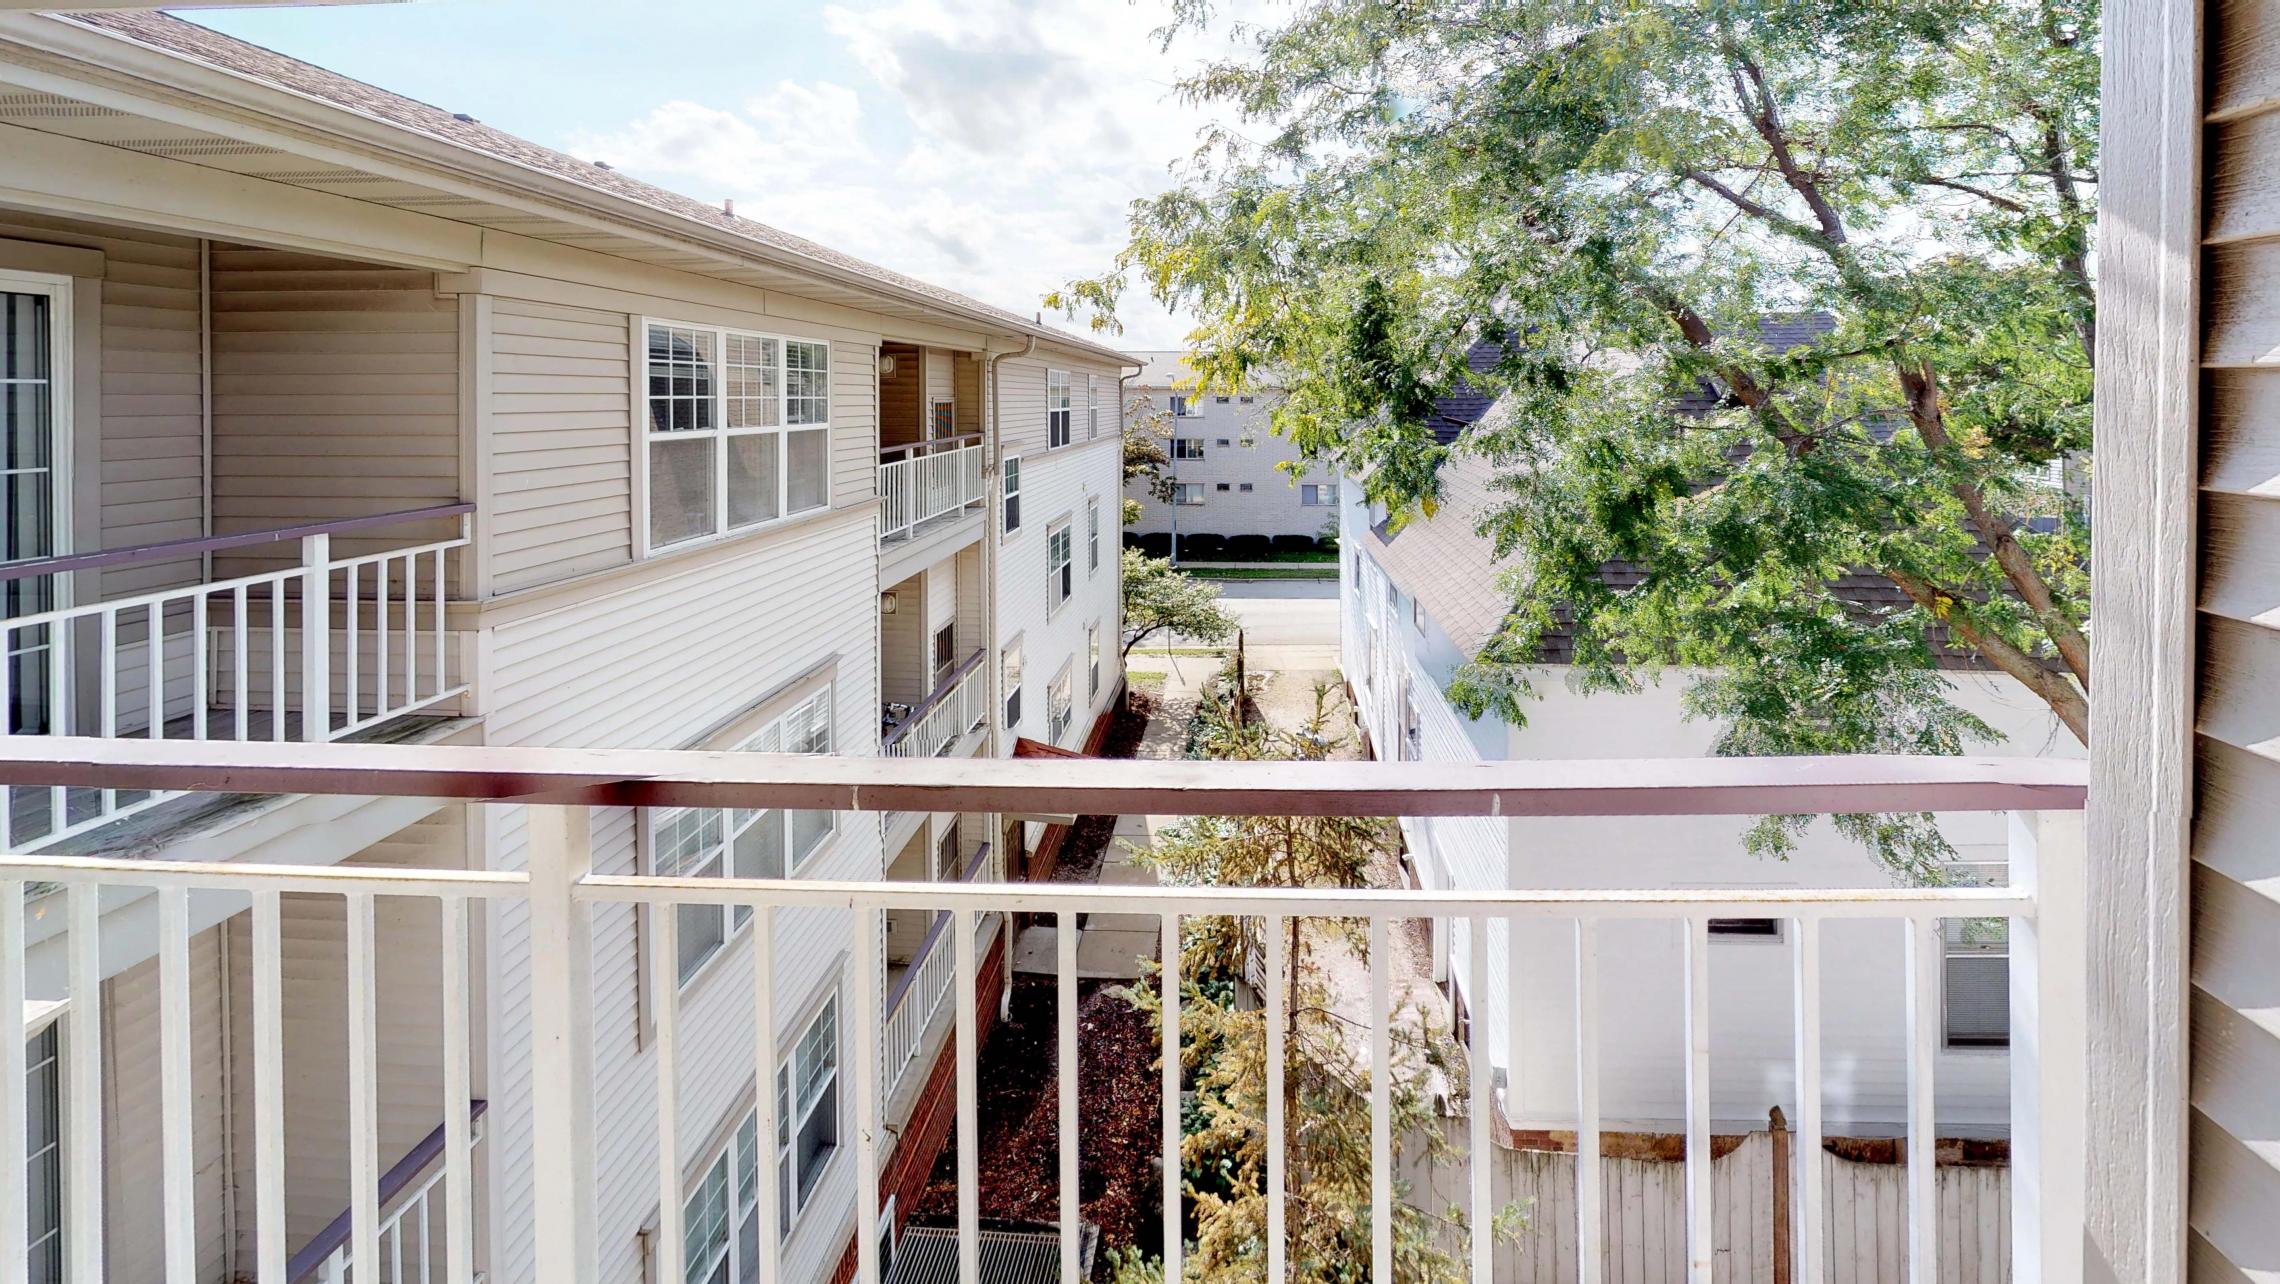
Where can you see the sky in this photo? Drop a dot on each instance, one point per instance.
(991, 146)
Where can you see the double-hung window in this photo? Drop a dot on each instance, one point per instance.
(1976, 984)
(1187, 494)
(43, 1100)
(1314, 496)
(736, 430)
(1092, 535)
(1011, 660)
(1057, 706)
(1181, 408)
(807, 1110)
(1092, 660)
(720, 1218)
(1012, 495)
(712, 842)
(1092, 406)
(1187, 447)
(1057, 411)
(1059, 579)
(945, 653)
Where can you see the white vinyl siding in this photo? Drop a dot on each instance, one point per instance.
(736, 430)
(561, 444)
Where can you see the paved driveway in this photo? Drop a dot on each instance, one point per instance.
(1283, 612)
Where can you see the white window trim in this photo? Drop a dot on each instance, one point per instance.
(1092, 537)
(1064, 527)
(63, 482)
(645, 435)
(1059, 400)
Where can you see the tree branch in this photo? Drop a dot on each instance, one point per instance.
(1766, 119)
(2064, 698)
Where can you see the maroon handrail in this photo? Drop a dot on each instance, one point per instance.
(933, 698)
(962, 439)
(304, 1264)
(169, 550)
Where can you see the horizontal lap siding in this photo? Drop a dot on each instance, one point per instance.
(336, 394)
(148, 488)
(854, 421)
(655, 665)
(2235, 951)
(134, 1215)
(562, 498)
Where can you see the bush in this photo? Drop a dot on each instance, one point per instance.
(1154, 543)
(1295, 543)
(1248, 548)
(1202, 548)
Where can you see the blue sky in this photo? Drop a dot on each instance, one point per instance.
(987, 145)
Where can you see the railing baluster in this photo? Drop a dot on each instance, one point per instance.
(8, 728)
(458, 1126)
(1922, 948)
(278, 703)
(427, 1256)
(411, 628)
(1065, 1065)
(200, 688)
(1174, 1249)
(1278, 1144)
(380, 639)
(351, 660)
(268, 1089)
(15, 1132)
(154, 666)
(176, 1138)
(1590, 1225)
(108, 690)
(441, 678)
(969, 1125)
(1381, 1104)
(764, 1056)
(84, 1064)
(1810, 1228)
(316, 639)
(363, 1091)
(868, 944)
(1483, 1159)
(665, 971)
(241, 642)
(1699, 1253)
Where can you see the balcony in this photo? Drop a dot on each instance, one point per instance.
(917, 985)
(928, 486)
(955, 708)
(328, 647)
(2043, 904)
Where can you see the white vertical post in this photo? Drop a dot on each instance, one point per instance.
(665, 972)
(1381, 1105)
(349, 662)
(241, 642)
(1065, 1069)
(1922, 948)
(1173, 1187)
(316, 639)
(1278, 1146)
(442, 674)
(363, 1091)
(200, 693)
(1698, 1197)
(15, 1142)
(84, 1056)
(969, 1114)
(458, 1124)
(278, 701)
(867, 945)
(2049, 1048)
(268, 1088)
(176, 1139)
(1590, 1225)
(154, 664)
(561, 851)
(1483, 1101)
(764, 1057)
(1807, 1228)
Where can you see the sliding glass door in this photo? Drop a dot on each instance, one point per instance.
(30, 471)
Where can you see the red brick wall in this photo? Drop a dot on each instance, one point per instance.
(934, 1115)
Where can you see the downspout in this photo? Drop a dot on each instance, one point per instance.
(206, 402)
(1123, 398)
(992, 482)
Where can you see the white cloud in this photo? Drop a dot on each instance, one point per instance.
(991, 146)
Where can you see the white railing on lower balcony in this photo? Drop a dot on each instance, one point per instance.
(412, 1239)
(929, 480)
(916, 996)
(324, 650)
(954, 708)
(558, 893)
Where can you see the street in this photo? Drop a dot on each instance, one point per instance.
(1281, 612)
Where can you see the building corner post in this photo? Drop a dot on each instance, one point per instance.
(561, 1039)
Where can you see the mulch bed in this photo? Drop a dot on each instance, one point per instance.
(1120, 1128)
(1088, 839)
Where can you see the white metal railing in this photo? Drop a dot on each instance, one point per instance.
(949, 712)
(921, 487)
(310, 653)
(559, 890)
(917, 994)
(411, 1215)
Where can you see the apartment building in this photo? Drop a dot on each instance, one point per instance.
(338, 418)
(1229, 474)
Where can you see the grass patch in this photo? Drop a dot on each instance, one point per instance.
(1144, 680)
(1293, 571)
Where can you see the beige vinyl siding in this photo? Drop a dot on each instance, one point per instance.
(561, 441)
(656, 664)
(854, 420)
(2234, 1152)
(147, 489)
(134, 1217)
(335, 395)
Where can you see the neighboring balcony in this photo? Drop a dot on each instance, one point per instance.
(957, 707)
(292, 634)
(919, 980)
(927, 485)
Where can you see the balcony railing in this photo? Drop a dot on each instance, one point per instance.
(917, 994)
(412, 1233)
(325, 650)
(927, 480)
(558, 891)
(954, 708)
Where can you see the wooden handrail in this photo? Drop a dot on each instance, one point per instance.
(909, 977)
(940, 693)
(173, 549)
(312, 1255)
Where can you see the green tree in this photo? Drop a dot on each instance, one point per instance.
(1623, 195)
(1159, 598)
(1326, 1153)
